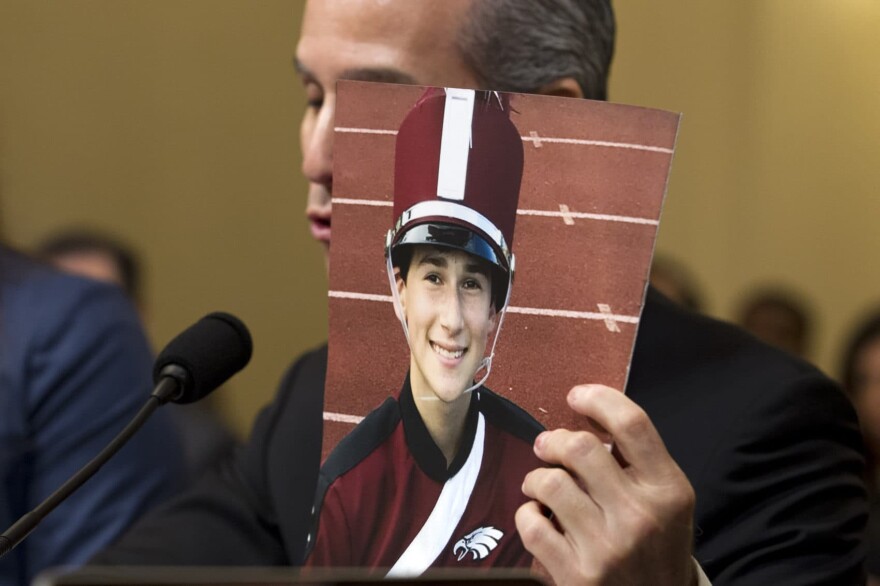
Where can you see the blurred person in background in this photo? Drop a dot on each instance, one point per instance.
(860, 375)
(779, 317)
(674, 280)
(97, 256)
(75, 367)
(206, 439)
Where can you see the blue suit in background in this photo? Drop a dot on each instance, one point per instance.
(74, 368)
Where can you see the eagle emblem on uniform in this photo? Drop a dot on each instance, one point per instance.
(479, 542)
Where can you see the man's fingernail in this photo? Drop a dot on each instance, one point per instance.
(539, 441)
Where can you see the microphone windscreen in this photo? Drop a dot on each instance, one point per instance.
(210, 351)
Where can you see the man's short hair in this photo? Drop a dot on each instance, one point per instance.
(522, 45)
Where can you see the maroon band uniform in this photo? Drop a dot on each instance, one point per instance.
(383, 481)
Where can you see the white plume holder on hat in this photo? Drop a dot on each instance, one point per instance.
(455, 143)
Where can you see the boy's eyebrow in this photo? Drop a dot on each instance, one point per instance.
(477, 268)
(434, 259)
(439, 261)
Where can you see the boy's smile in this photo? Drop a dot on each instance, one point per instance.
(450, 353)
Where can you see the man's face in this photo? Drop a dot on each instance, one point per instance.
(778, 326)
(397, 41)
(447, 302)
(94, 264)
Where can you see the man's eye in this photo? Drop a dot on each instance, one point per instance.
(472, 284)
(314, 96)
(433, 278)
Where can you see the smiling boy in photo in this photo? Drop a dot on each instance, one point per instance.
(433, 477)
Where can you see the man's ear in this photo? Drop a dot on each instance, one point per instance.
(565, 87)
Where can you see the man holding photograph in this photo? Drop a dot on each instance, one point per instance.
(767, 444)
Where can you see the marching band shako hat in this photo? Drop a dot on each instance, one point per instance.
(457, 173)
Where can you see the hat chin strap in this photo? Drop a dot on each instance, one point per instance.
(398, 307)
(486, 362)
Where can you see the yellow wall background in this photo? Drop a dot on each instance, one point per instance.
(777, 176)
(174, 124)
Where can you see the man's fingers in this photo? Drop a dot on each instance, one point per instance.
(634, 436)
(609, 521)
(543, 540)
(587, 457)
(557, 490)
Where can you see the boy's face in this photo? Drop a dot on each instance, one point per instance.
(447, 301)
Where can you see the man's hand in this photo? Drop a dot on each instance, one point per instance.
(618, 518)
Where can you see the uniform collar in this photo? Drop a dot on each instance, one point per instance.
(421, 445)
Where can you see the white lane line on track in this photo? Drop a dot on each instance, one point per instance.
(535, 139)
(548, 213)
(591, 315)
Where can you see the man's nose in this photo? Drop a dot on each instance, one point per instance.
(318, 146)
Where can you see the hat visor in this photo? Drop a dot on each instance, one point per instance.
(450, 236)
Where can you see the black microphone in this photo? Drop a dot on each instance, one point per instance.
(203, 357)
(193, 364)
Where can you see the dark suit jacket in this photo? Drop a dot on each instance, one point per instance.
(770, 445)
